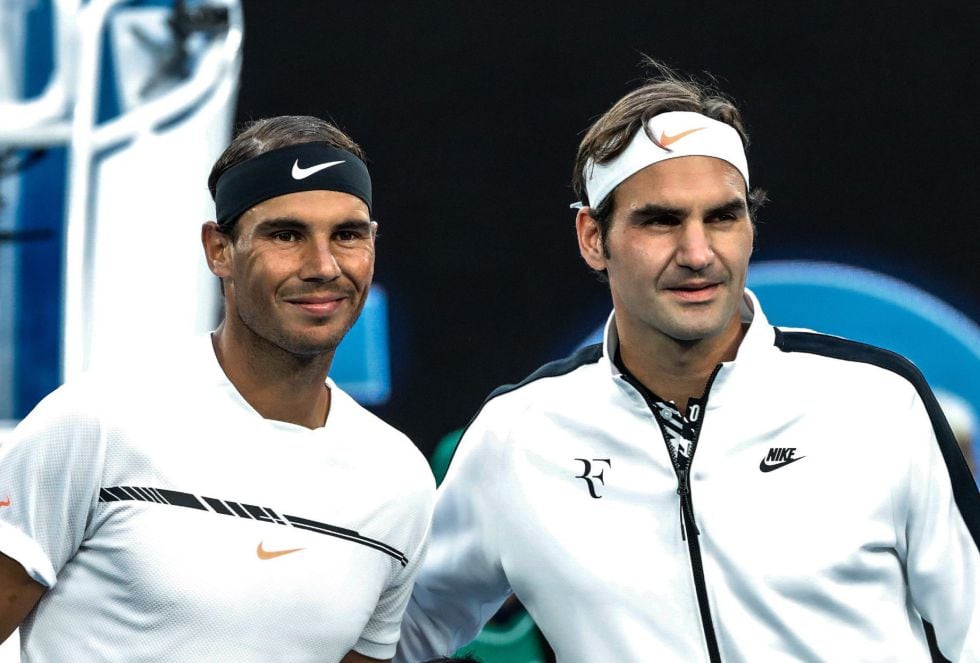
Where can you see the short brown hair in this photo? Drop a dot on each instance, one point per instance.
(272, 133)
(663, 92)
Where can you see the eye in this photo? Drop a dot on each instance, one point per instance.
(724, 217)
(348, 235)
(661, 220)
(285, 235)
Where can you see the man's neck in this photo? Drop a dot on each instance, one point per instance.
(278, 385)
(678, 370)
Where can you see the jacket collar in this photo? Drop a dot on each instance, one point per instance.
(758, 340)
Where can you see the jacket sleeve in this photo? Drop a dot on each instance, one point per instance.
(462, 583)
(942, 533)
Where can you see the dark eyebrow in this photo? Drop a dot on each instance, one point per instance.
(652, 210)
(734, 206)
(283, 223)
(359, 225)
(290, 223)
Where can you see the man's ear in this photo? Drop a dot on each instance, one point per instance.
(217, 247)
(590, 239)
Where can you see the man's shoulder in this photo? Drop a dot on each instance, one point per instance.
(355, 416)
(74, 415)
(566, 385)
(521, 414)
(167, 382)
(81, 397)
(851, 369)
(844, 353)
(555, 377)
(157, 373)
(391, 446)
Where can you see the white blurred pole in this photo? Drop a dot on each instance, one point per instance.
(66, 114)
(78, 226)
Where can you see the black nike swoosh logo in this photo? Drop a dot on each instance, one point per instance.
(770, 468)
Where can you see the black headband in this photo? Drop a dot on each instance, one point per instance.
(303, 167)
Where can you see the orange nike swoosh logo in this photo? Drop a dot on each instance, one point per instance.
(272, 554)
(6, 502)
(666, 140)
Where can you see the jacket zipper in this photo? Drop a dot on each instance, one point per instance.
(688, 524)
(693, 546)
(697, 567)
(684, 490)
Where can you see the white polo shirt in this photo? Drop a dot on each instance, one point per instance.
(170, 521)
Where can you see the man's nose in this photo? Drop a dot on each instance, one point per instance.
(694, 246)
(319, 262)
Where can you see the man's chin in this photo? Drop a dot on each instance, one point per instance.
(311, 347)
(692, 331)
(310, 344)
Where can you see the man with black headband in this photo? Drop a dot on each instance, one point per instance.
(702, 486)
(227, 501)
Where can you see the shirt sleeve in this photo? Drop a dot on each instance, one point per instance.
(462, 582)
(942, 534)
(380, 636)
(50, 472)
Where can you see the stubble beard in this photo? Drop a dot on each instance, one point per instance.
(689, 327)
(304, 347)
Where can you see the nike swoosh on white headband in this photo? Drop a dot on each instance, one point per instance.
(676, 134)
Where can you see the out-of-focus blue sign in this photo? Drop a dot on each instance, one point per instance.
(361, 366)
(876, 309)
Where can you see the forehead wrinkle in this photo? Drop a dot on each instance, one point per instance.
(311, 203)
(685, 198)
(736, 180)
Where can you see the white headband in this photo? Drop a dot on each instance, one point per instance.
(677, 134)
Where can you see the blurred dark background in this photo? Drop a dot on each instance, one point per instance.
(862, 118)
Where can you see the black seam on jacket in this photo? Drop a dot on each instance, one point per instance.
(590, 354)
(964, 487)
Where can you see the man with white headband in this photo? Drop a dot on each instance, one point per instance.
(227, 501)
(702, 486)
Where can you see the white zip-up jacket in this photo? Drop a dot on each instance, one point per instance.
(833, 514)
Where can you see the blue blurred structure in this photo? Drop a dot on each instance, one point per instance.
(361, 366)
(877, 309)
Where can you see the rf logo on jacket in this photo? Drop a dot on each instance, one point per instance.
(589, 477)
